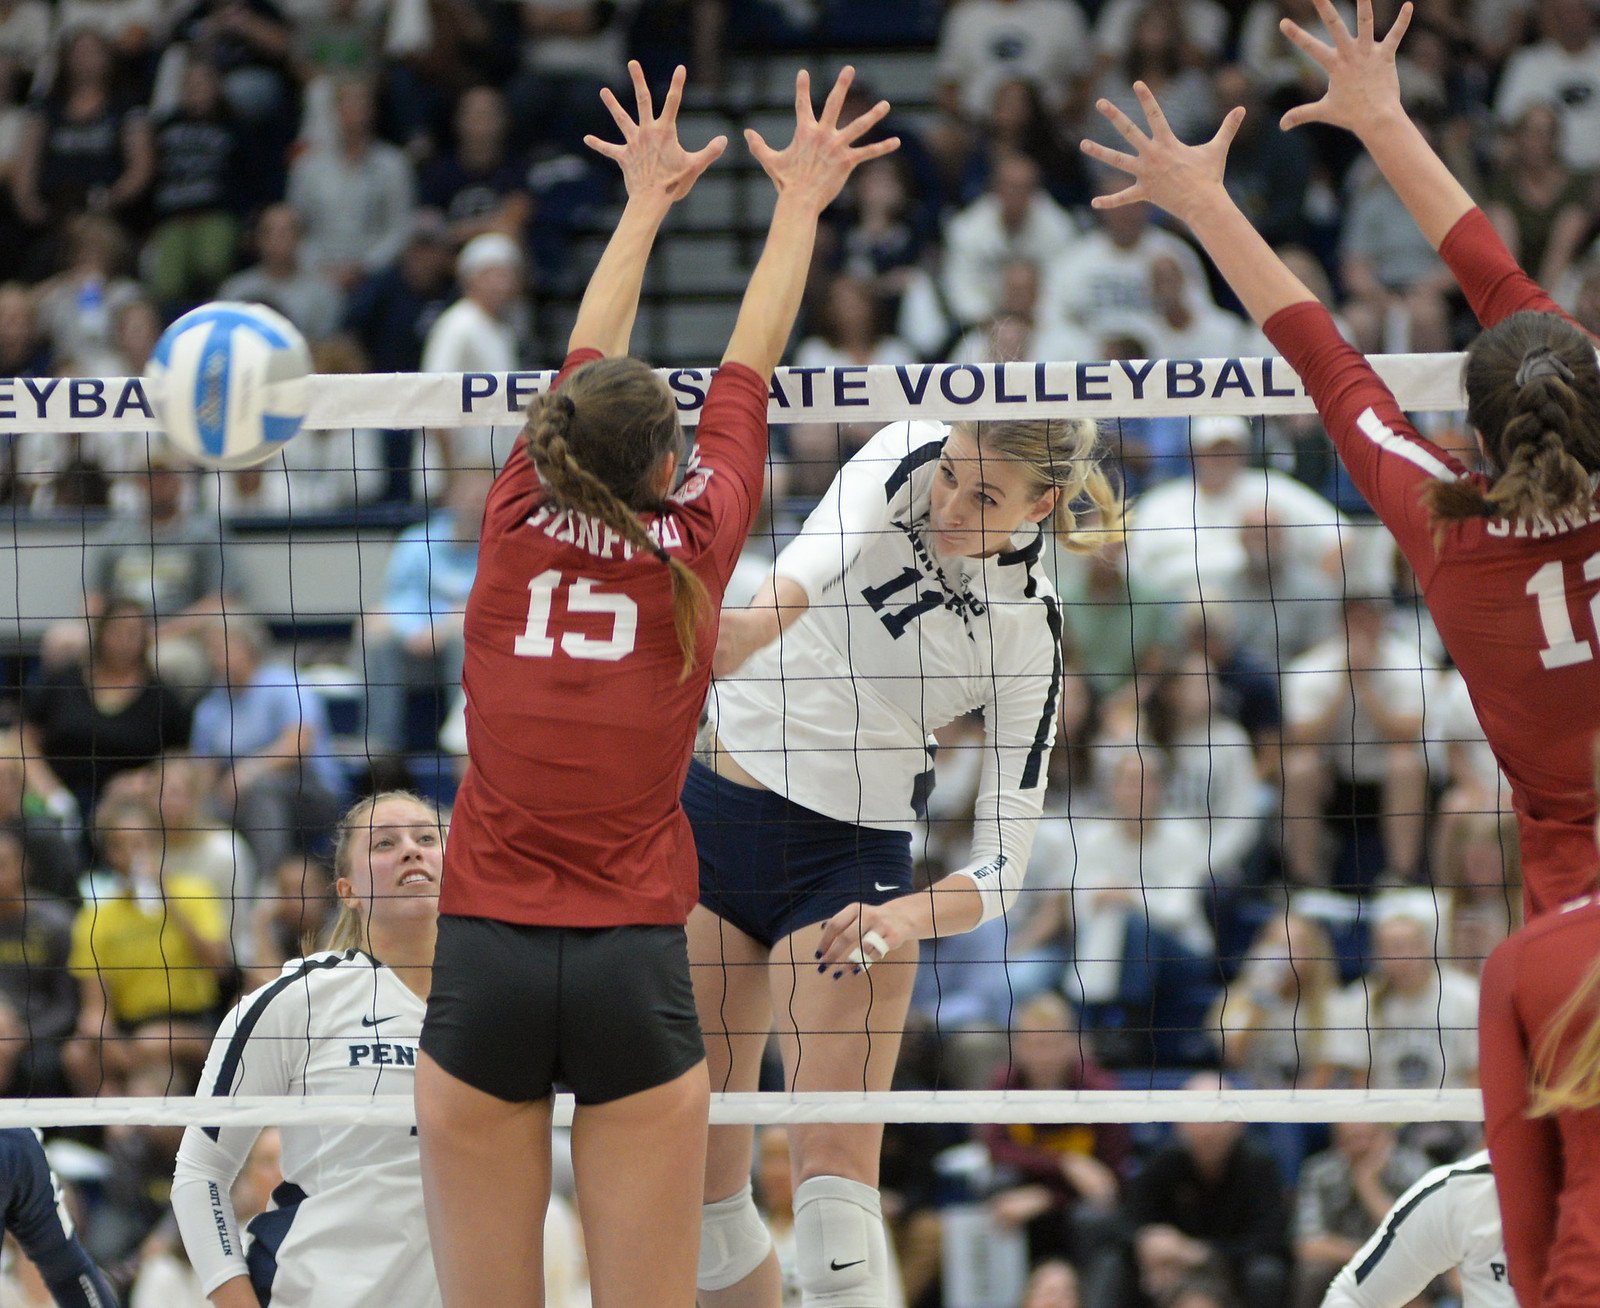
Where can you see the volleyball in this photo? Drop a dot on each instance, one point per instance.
(228, 382)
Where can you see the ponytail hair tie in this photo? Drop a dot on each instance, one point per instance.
(1542, 363)
(661, 553)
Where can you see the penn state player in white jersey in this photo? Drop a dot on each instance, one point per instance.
(913, 596)
(346, 1227)
(1450, 1219)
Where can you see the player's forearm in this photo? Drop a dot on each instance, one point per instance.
(1425, 185)
(1261, 280)
(951, 906)
(772, 300)
(611, 301)
(237, 1293)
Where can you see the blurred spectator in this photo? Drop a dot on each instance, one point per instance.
(356, 197)
(24, 40)
(86, 146)
(1353, 710)
(1212, 1199)
(436, 49)
(197, 163)
(1273, 1023)
(1158, 54)
(1052, 1284)
(1119, 624)
(1213, 779)
(83, 725)
(1412, 1023)
(1561, 69)
(266, 738)
(985, 43)
(1202, 24)
(333, 39)
(392, 312)
(570, 49)
(168, 560)
(851, 330)
(138, 1182)
(199, 846)
(1183, 321)
(148, 951)
(1188, 535)
(1276, 576)
(1538, 204)
(875, 235)
(133, 27)
(77, 307)
(476, 184)
(415, 639)
(1061, 1182)
(1015, 219)
(1021, 120)
(1201, 1291)
(52, 854)
(294, 908)
(1135, 889)
(1343, 1194)
(1017, 330)
(281, 279)
(35, 940)
(483, 331)
(1108, 270)
(1269, 170)
(1275, 61)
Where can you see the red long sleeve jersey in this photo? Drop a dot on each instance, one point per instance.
(579, 724)
(1516, 602)
(1547, 1170)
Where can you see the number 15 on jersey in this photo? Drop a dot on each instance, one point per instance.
(539, 641)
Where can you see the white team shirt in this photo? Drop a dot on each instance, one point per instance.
(835, 714)
(346, 1227)
(1450, 1218)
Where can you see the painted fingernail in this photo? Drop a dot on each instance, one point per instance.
(818, 954)
(855, 971)
(838, 974)
(822, 967)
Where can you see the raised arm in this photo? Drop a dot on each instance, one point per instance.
(1363, 97)
(1186, 181)
(658, 172)
(809, 173)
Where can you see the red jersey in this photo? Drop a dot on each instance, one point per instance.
(1517, 603)
(1546, 1169)
(579, 728)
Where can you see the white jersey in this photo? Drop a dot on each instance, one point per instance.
(1450, 1218)
(346, 1227)
(835, 714)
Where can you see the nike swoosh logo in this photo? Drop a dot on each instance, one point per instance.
(881, 889)
(373, 1021)
(839, 1267)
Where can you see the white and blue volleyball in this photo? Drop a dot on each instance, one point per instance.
(229, 382)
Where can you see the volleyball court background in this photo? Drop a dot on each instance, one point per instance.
(1233, 872)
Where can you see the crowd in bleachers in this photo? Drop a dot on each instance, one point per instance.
(1275, 846)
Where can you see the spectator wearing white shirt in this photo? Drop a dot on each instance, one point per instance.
(1563, 69)
(1015, 331)
(1412, 1022)
(1016, 219)
(1353, 710)
(1275, 62)
(1188, 535)
(356, 198)
(1271, 1025)
(481, 332)
(1184, 321)
(1449, 1221)
(987, 42)
(1160, 55)
(1108, 269)
(570, 49)
(1205, 27)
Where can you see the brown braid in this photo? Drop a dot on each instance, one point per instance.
(1533, 394)
(623, 421)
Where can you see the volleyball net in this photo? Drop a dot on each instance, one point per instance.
(1248, 862)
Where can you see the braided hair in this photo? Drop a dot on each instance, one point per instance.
(598, 443)
(1533, 394)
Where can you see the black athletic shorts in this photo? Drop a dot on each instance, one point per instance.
(605, 1012)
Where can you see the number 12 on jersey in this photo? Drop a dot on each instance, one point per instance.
(1549, 586)
(537, 640)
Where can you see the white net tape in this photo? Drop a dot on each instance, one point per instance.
(980, 391)
(959, 1106)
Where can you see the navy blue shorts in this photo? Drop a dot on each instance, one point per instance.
(770, 867)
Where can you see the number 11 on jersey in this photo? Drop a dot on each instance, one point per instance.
(1549, 586)
(536, 640)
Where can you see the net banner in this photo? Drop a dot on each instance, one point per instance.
(1125, 388)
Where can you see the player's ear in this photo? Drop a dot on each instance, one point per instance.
(666, 474)
(346, 891)
(1045, 505)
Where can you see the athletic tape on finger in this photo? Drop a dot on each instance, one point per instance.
(873, 942)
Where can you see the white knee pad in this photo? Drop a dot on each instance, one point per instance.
(734, 1241)
(841, 1248)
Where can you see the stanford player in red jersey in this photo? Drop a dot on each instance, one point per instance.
(1509, 564)
(571, 869)
(1539, 1042)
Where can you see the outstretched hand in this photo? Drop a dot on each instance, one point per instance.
(652, 159)
(1166, 172)
(1363, 85)
(815, 165)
